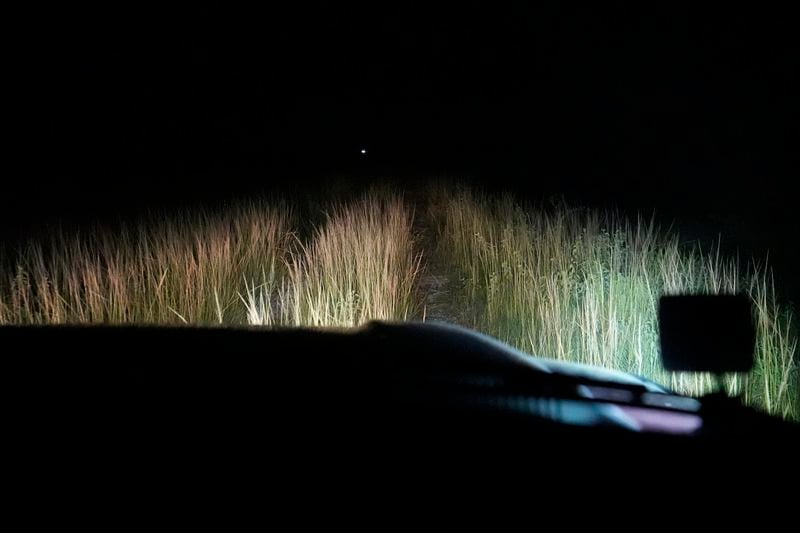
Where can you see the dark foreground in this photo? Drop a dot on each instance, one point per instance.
(122, 401)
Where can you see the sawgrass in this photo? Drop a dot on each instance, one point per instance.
(571, 284)
(583, 285)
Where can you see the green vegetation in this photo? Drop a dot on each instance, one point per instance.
(184, 268)
(583, 286)
(359, 264)
(566, 283)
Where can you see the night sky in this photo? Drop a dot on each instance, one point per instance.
(691, 113)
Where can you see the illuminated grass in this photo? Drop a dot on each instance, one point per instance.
(361, 264)
(583, 286)
(244, 265)
(570, 284)
(185, 268)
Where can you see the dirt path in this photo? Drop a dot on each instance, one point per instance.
(436, 283)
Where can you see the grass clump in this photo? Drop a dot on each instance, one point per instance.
(571, 284)
(582, 285)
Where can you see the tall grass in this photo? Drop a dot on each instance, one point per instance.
(361, 264)
(583, 286)
(571, 284)
(243, 265)
(181, 268)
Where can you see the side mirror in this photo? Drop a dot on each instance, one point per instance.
(707, 333)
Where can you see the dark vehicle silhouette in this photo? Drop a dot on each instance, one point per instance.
(423, 388)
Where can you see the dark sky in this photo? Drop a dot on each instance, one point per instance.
(648, 108)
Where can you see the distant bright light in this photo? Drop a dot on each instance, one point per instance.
(363, 150)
